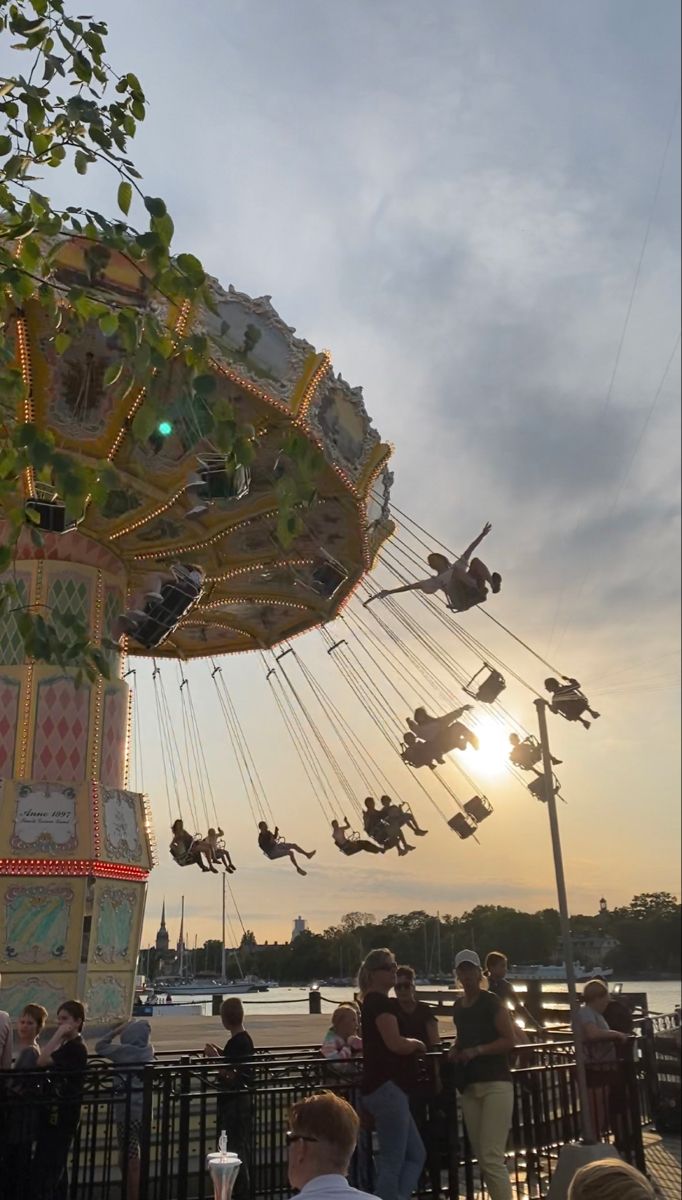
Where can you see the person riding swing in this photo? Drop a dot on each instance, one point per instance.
(352, 845)
(187, 850)
(398, 815)
(377, 827)
(219, 849)
(569, 701)
(429, 738)
(527, 754)
(274, 847)
(464, 582)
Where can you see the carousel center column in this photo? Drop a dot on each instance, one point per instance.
(75, 844)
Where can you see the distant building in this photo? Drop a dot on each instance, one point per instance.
(300, 926)
(162, 940)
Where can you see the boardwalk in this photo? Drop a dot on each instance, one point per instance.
(663, 1162)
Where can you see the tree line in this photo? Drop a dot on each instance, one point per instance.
(647, 933)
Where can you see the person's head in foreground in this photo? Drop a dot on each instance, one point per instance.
(322, 1135)
(232, 1013)
(610, 1180)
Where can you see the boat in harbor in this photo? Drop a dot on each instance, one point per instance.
(206, 987)
(556, 973)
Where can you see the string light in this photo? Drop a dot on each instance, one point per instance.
(150, 516)
(28, 414)
(73, 867)
(26, 723)
(96, 822)
(175, 551)
(263, 565)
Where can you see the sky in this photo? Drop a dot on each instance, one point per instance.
(476, 208)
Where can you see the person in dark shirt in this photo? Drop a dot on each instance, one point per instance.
(496, 965)
(569, 701)
(65, 1052)
(273, 848)
(385, 1080)
(485, 1038)
(417, 1020)
(21, 1116)
(234, 1100)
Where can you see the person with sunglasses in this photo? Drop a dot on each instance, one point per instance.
(321, 1140)
(387, 1073)
(417, 1020)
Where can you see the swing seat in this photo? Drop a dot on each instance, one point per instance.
(492, 687)
(478, 808)
(51, 515)
(225, 484)
(537, 788)
(162, 616)
(463, 825)
(525, 756)
(327, 578)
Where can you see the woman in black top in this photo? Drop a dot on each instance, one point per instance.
(485, 1038)
(385, 1078)
(67, 1057)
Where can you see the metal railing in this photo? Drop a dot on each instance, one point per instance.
(178, 1108)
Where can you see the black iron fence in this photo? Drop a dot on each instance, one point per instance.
(163, 1119)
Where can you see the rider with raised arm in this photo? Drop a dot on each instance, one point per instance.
(464, 582)
(396, 816)
(273, 848)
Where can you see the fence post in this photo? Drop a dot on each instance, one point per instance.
(216, 1004)
(314, 1003)
(146, 1130)
(183, 1129)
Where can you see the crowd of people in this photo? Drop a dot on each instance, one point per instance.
(383, 1049)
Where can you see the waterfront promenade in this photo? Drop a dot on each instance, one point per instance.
(191, 1033)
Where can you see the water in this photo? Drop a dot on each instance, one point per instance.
(663, 995)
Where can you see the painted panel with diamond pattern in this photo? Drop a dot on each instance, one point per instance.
(70, 594)
(60, 748)
(11, 644)
(114, 734)
(10, 693)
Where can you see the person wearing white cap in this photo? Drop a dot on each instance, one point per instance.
(485, 1038)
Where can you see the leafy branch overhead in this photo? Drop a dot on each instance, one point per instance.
(67, 106)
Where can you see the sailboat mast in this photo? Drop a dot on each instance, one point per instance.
(182, 938)
(222, 958)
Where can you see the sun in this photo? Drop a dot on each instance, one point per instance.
(492, 756)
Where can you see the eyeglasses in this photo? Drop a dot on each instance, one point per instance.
(298, 1137)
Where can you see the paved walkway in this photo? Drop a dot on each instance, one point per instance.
(663, 1162)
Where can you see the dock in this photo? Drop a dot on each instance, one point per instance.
(177, 1033)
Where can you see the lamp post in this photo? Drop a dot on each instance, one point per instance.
(588, 1149)
(586, 1122)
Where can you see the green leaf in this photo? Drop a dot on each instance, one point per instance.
(109, 324)
(62, 342)
(113, 371)
(5, 144)
(80, 162)
(155, 206)
(125, 195)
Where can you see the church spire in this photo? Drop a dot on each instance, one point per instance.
(163, 914)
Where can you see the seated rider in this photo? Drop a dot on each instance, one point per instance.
(220, 852)
(569, 700)
(377, 828)
(527, 754)
(464, 582)
(429, 754)
(396, 816)
(351, 846)
(273, 848)
(187, 850)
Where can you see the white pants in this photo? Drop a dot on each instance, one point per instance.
(487, 1110)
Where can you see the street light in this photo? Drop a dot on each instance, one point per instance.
(588, 1149)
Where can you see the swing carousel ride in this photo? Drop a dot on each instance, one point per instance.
(182, 560)
(401, 708)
